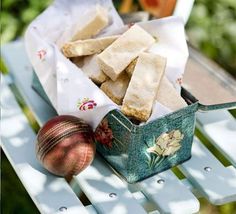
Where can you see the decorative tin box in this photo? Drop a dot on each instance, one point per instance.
(139, 151)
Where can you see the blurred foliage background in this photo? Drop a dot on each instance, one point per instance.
(211, 28)
(16, 15)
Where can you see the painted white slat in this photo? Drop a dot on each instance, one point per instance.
(193, 189)
(214, 181)
(220, 128)
(164, 189)
(106, 191)
(16, 60)
(148, 205)
(50, 193)
(24, 85)
(90, 209)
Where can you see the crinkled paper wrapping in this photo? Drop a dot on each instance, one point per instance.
(68, 88)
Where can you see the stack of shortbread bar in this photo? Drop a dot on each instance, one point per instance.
(122, 66)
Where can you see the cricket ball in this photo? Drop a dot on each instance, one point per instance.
(65, 145)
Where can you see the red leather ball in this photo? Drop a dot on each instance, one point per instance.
(65, 145)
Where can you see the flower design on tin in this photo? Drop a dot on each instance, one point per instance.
(165, 145)
(42, 54)
(105, 137)
(103, 134)
(86, 104)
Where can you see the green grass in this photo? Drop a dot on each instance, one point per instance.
(212, 29)
(14, 198)
(233, 112)
(29, 115)
(207, 208)
(3, 67)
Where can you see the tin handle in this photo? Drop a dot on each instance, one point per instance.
(230, 105)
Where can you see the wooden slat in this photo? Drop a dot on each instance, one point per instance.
(164, 189)
(91, 209)
(207, 81)
(192, 188)
(148, 205)
(220, 128)
(17, 62)
(213, 69)
(50, 193)
(209, 176)
(106, 191)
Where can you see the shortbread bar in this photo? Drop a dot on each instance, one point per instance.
(169, 97)
(114, 59)
(97, 19)
(79, 61)
(88, 46)
(130, 68)
(92, 70)
(116, 90)
(143, 86)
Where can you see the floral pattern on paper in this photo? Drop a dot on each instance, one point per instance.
(165, 145)
(86, 104)
(42, 54)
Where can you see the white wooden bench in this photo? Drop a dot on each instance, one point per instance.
(205, 175)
